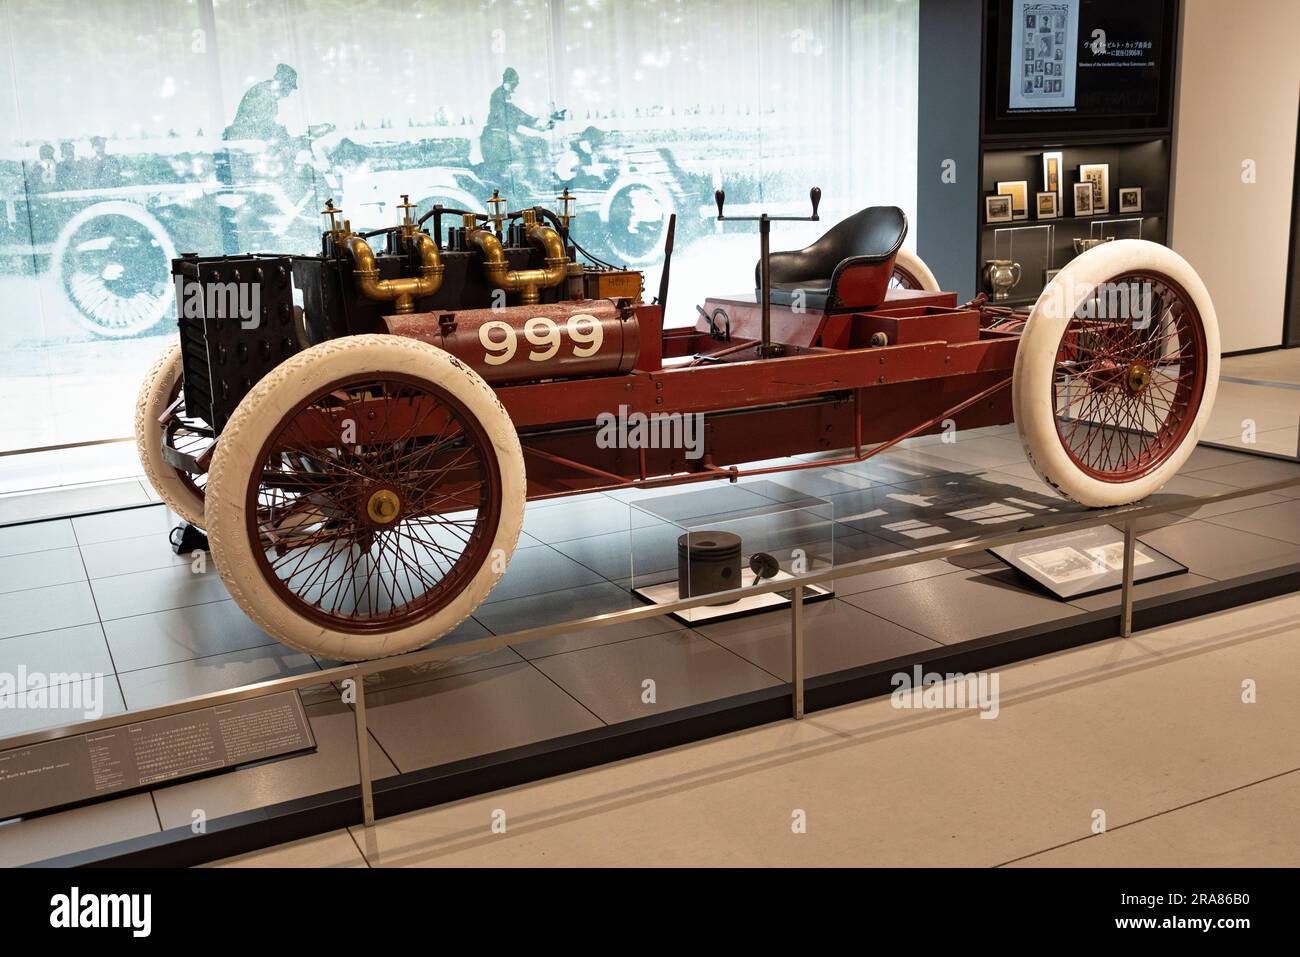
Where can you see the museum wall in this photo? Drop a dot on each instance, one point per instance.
(131, 131)
(1234, 159)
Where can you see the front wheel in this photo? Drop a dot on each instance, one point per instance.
(365, 497)
(113, 262)
(1116, 372)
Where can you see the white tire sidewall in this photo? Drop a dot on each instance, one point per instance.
(283, 389)
(1032, 389)
(154, 399)
(915, 265)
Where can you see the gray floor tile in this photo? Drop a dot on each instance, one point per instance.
(1161, 586)
(869, 581)
(1255, 471)
(898, 465)
(36, 537)
(837, 636)
(127, 523)
(502, 617)
(63, 704)
(69, 501)
(447, 719)
(78, 829)
(57, 566)
(820, 483)
(969, 454)
(1280, 520)
(181, 634)
(165, 684)
(579, 518)
(1209, 457)
(961, 606)
(467, 631)
(686, 669)
(538, 570)
(333, 765)
(1217, 552)
(140, 593)
(652, 550)
(46, 609)
(127, 555)
(1193, 485)
(81, 649)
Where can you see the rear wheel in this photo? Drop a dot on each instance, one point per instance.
(1116, 372)
(911, 272)
(160, 419)
(365, 497)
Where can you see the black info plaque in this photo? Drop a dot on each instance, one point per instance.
(129, 757)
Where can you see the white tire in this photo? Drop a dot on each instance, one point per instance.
(238, 544)
(1111, 464)
(911, 272)
(178, 491)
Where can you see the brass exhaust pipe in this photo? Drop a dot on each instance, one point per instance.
(527, 282)
(402, 292)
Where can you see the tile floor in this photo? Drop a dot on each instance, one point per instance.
(103, 593)
(1207, 780)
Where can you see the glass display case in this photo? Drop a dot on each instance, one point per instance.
(728, 537)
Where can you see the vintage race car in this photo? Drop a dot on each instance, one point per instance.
(360, 445)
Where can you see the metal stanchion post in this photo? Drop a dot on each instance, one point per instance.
(363, 752)
(1126, 598)
(796, 649)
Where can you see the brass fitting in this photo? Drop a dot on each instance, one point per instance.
(527, 282)
(402, 292)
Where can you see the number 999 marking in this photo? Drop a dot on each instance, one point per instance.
(500, 339)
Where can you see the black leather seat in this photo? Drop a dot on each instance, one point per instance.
(870, 237)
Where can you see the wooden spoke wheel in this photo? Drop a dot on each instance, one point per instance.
(160, 418)
(365, 497)
(1116, 372)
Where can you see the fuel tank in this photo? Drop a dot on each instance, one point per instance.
(570, 339)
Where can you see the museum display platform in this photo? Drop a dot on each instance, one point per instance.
(103, 594)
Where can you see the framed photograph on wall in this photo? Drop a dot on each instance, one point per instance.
(1045, 205)
(1018, 190)
(1083, 199)
(1130, 199)
(1099, 175)
(997, 209)
(1052, 179)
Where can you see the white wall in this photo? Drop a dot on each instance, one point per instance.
(1239, 78)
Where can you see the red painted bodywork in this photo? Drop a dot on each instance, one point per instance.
(830, 389)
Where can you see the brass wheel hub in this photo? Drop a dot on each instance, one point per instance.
(1139, 377)
(383, 507)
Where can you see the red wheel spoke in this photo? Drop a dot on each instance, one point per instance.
(419, 453)
(1125, 395)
